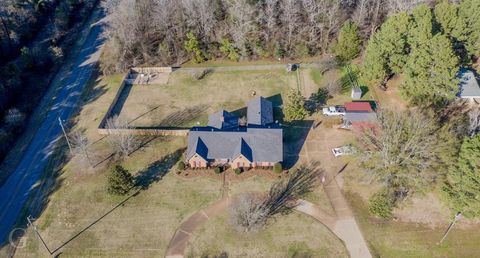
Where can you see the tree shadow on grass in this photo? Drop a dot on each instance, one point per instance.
(294, 134)
(182, 117)
(157, 170)
(283, 195)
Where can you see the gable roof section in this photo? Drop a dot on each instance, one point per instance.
(244, 150)
(222, 120)
(468, 86)
(358, 107)
(256, 144)
(198, 147)
(260, 111)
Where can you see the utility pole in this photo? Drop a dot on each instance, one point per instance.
(65, 134)
(457, 217)
(38, 234)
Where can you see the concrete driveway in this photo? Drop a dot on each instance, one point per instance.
(318, 147)
(23, 181)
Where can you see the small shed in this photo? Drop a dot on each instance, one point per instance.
(356, 93)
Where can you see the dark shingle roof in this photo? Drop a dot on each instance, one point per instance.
(265, 144)
(260, 111)
(468, 87)
(222, 120)
(243, 149)
(360, 117)
(200, 148)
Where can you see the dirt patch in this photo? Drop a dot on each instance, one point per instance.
(426, 209)
(429, 210)
(390, 98)
(309, 86)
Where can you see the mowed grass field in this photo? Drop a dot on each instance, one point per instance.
(185, 101)
(145, 223)
(402, 239)
(291, 235)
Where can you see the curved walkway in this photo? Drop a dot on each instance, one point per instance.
(340, 227)
(178, 244)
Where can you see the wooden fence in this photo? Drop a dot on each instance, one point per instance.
(151, 69)
(145, 131)
(138, 130)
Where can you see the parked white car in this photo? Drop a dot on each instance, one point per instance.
(334, 111)
(344, 150)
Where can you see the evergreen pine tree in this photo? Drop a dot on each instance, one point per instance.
(294, 108)
(120, 181)
(348, 42)
(451, 24)
(430, 73)
(421, 27)
(463, 185)
(468, 12)
(192, 46)
(386, 52)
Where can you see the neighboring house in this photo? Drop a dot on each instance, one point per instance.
(468, 86)
(225, 142)
(359, 116)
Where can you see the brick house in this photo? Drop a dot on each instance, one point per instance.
(224, 141)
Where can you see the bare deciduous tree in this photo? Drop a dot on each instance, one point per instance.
(404, 151)
(200, 14)
(122, 141)
(242, 22)
(80, 145)
(247, 213)
(250, 212)
(473, 121)
(396, 6)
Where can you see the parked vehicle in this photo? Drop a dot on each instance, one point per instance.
(334, 111)
(344, 150)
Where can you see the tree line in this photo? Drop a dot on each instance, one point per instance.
(427, 47)
(168, 32)
(35, 36)
(437, 143)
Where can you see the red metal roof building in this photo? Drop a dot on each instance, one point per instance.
(358, 107)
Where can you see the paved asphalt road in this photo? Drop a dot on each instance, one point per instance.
(22, 182)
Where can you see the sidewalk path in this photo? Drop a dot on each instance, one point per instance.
(178, 244)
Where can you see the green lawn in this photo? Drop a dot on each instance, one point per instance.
(316, 76)
(399, 239)
(185, 102)
(144, 225)
(292, 235)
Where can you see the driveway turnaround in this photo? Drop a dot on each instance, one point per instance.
(16, 190)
